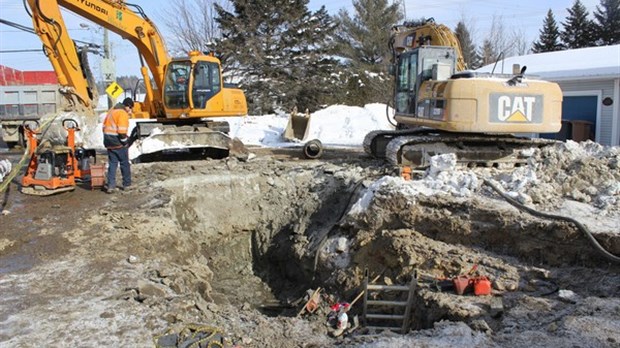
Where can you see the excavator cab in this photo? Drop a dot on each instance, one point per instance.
(421, 64)
(193, 88)
(191, 85)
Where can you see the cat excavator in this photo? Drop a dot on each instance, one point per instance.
(180, 92)
(440, 107)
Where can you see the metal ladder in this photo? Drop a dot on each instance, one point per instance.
(404, 307)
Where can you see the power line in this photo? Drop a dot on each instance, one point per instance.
(23, 50)
(31, 31)
(17, 26)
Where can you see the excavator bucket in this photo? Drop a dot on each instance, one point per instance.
(189, 142)
(297, 126)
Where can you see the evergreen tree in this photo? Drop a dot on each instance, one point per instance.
(362, 40)
(608, 22)
(578, 29)
(549, 39)
(280, 51)
(470, 56)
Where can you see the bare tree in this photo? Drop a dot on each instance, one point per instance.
(520, 44)
(192, 25)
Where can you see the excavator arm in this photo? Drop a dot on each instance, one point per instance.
(409, 36)
(116, 16)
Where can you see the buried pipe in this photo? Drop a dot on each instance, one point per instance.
(606, 254)
(313, 149)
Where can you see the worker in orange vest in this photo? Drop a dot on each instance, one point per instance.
(116, 141)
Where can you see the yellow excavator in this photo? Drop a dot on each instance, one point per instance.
(439, 107)
(179, 91)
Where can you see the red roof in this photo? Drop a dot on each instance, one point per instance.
(14, 77)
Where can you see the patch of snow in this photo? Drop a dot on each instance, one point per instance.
(441, 178)
(575, 63)
(5, 168)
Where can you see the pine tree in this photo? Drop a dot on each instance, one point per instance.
(608, 22)
(362, 40)
(280, 51)
(471, 57)
(578, 29)
(549, 39)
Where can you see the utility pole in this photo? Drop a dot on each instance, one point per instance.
(108, 66)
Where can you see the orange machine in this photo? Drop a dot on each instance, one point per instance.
(180, 91)
(55, 168)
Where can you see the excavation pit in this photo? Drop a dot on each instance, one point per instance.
(284, 230)
(235, 245)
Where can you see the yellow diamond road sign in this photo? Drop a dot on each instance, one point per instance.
(114, 90)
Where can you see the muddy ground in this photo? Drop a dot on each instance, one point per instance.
(236, 246)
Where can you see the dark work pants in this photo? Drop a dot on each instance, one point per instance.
(116, 156)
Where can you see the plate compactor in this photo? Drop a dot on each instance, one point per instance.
(55, 168)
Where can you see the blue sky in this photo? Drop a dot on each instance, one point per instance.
(525, 16)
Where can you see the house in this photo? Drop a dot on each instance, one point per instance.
(590, 81)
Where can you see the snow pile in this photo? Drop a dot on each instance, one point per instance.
(442, 177)
(347, 125)
(5, 168)
(585, 172)
(264, 130)
(335, 125)
(577, 180)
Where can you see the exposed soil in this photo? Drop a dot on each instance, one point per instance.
(237, 245)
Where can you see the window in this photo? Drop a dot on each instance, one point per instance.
(206, 83)
(176, 86)
(406, 88)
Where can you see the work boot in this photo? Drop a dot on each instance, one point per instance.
(110, 190)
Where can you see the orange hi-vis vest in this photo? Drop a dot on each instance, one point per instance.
(116, 122)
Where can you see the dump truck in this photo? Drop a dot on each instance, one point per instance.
(22, 103)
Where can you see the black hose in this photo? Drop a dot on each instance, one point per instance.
(606, 254)
(27, 9)
(138, 9)
(340, 220)
(52, 22)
